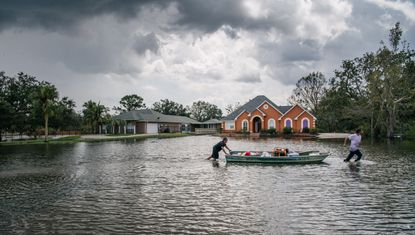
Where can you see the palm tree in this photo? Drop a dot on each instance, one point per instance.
(46, 95)
(94, 113)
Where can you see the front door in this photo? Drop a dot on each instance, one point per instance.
(257, 124)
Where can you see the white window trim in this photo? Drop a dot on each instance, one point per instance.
(229, 122)
(308, 120)
(257, 116)
(272, 119)
(285, 122)
(247, 124)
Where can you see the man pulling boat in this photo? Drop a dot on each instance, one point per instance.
(219, 147)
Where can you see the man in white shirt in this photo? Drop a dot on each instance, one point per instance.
(355, 140)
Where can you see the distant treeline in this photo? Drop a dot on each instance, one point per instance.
(32, 107)
(375, 92)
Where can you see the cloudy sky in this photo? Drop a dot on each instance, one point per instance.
(220, 51)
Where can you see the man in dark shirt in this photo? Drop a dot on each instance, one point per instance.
(217, 148)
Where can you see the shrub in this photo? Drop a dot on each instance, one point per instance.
(263, 132)
(244, 131)
(306, 130)
(272, 131)
(287, 130)
(313, 131)
(410, 133)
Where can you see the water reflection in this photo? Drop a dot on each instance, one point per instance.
(165, 186)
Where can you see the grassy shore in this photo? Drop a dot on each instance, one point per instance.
(76, 139)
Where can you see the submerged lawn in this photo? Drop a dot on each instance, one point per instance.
(75, 139)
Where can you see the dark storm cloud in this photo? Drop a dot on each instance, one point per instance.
(298, 50)
(146, 42)
(55, 15)
(206, 16)
(209, 16)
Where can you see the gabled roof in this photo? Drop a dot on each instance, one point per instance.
(253, 104)
(148, 115)
(304, 110)
(284, 109)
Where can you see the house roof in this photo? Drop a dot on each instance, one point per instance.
(284, 109)
(148, 115)
(253, 104)
(212, 121)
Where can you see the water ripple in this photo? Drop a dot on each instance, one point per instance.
(165, 187)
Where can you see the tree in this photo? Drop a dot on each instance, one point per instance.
(18, 93)
(390, 82)
(169, 107)
(46, 96)
(93, 114)
(309, 90)
(130, 102)
(203, 111)
(65, 117)
(231, 108)
(375, 91)
(6, 116)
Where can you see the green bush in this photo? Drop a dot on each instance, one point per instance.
(263, 132)
(272, 131)
(410, 133)
(306, 130)
(287, 130)
(313, 131)
(244, 131)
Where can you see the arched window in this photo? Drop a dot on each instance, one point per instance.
(245, 125)
(271, 123)
(305, 123)
(288, 123)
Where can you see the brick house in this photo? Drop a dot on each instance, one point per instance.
(261, 113)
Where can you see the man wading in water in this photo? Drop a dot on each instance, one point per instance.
(217, 148)
(355, 140)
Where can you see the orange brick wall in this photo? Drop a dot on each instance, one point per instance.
(311, 123)
(272, 113)
(238, 122)
(296, 124)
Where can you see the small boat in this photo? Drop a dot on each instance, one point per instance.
(269, 157)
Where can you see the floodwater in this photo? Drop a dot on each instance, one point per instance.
(164, 186)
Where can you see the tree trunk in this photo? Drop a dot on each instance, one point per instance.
(46, 127)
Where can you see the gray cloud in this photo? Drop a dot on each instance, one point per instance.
(207, 16)
(299, 50)
(62, 15)
(250, 78)
(146, 42)
(232, 33)
(287, 40)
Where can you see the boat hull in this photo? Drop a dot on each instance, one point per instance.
(307, 159)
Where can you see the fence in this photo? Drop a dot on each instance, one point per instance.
(206, 131)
